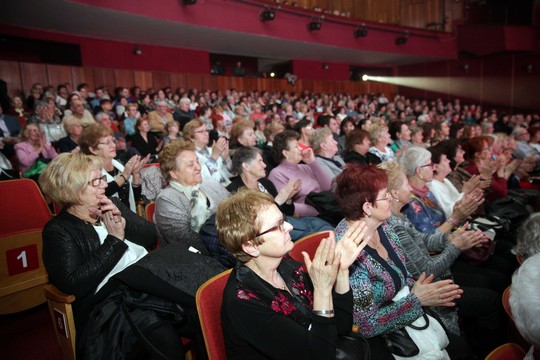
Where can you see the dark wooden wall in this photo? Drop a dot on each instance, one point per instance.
(21, 75)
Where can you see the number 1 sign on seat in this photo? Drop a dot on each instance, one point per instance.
(22, 259)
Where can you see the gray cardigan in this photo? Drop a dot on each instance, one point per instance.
(417, 246)
(173, 214)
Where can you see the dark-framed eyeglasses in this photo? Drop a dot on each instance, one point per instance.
(201, 132)
(108, 142)
(280, 226)
(430, 165)
(97, 181)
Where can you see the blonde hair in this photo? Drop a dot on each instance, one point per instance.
(189, 128)
(395, 173)
(318, 137)
(375, 130)
(237, 220)
(66, 177)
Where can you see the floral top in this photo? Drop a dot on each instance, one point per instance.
(260, 321)
(388, 155)
(375, 281)
(425, 213)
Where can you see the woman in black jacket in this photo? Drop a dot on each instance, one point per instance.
(92, 240)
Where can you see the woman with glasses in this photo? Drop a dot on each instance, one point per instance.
(215, 160)
(386, 297)
(123, 181)
(91, 240)
(272, 307)
(424, 210)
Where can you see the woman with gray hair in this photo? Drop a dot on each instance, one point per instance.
(424, 210)
(525, 303)
(528, 238)
(249, 165)
(325, 148)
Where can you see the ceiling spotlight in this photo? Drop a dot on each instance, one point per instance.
(402, 38)
(137, 50)
(189, 2)
(365, 77)
(360, 32)
(315, 25)
(268, 15)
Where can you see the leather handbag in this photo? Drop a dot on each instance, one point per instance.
(399, 341)
(352, 347)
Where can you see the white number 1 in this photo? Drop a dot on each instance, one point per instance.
(22, 256)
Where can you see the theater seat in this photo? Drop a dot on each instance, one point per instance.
(209, 298)
(308, 244)
(508, 351)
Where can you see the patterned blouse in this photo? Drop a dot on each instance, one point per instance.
(375, 281)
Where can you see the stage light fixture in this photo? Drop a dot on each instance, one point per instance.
(137, 50)
(360, 32)
(315, 25)
(268, 15)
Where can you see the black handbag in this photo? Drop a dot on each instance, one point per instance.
(352, 347)
(400, 343)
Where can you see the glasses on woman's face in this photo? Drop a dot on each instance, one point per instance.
(201, 132)
(97, 181)
(387, 196)
(430, 165)
(280, 226)
(108, 142)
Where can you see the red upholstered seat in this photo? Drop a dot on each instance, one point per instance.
(308, 244)
(22, 207)
(209, 298)
(508, 351)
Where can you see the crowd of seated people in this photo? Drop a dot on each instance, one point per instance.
(454, 159)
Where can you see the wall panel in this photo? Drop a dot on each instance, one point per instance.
(143, 79)
(125, 78)
(10, 72)
(58, 74)
(83, 75)
(32, 73)
(104, 77)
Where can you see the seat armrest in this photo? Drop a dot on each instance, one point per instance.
(52, 293)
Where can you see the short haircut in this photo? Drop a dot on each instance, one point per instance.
(323, 120)
(394, 128)
(412, 158)
(22, 134)
(244, 155)
(237, 220)
(524, 300)
(318, 137)
(66, 177)
(168, 155)
(395, 173)
(99, 116)
(473, 146)
(528, 237)
(170, 124)
(189, 128)
(238, 129)
(375, 130)
(356, 185)
(272, 129)
(301, 124)
(344, 122)
(281, 142)
(91, 135)
(69, 121)
(447, 147)
(355, 137)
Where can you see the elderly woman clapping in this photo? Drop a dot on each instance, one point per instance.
(424, 211)
(187, 202)
(272, 308)
(386, 296)
(288, 154)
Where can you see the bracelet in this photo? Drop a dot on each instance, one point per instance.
(452, 221)
(323, 312)
(123, 177)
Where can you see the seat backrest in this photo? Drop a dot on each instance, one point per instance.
(506, 302)
(149, 211)
(509, 351)
(22, 207)
(22, 273)
(209, 298)
(309, 244)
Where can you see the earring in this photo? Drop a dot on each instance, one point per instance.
(257, 254)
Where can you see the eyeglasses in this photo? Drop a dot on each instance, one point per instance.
(97, 181)
(387, 196)
(108, 142)
(201, 131)
(280, 226)
(430, 165)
